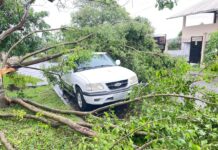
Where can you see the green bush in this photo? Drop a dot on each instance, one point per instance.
(211, 53)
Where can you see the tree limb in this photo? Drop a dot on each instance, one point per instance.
(54, 46)
(9, 31)
(26, 36)
(75, 126)
(146, 97)
(56, 74)
(56, 124)
(39, 60)
(148, 144)
(5, 142)
(80, 113)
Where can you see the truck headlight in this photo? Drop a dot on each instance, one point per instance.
(94, 87)
(133, 80)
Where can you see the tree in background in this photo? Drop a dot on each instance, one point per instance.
(10, 16)
(175, 43)
(95, 13)
(211, 53)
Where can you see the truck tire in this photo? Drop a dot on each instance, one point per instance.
(80, 100)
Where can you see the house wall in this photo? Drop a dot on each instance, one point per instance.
(186, 50)
(199, 30)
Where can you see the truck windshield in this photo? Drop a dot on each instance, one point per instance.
(97, 61)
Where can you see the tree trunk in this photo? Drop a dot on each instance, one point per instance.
(3, 102)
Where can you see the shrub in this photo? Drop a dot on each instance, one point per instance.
(211, 53)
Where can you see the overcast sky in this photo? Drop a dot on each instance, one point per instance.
(145, 8)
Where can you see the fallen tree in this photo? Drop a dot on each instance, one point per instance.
(58, 118)
(10, 68)
(53, 116)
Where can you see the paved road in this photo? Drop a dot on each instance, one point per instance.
(210, 86)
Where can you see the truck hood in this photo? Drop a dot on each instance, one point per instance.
(106, 74)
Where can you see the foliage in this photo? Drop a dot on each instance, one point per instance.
(72, 60)
(160, 4)
(174, 44)
(211, 53)
(95, 13)
(10, 16)
(19, 80)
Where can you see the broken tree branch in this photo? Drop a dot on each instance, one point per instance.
(146, 97)
(26, 36)
(5, 142)
(9, 31)
(148, 144)
(54, 46)
(80, 113)
(43, 59)
(43, 70)
(83, 130)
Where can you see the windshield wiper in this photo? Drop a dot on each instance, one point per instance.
(102, 66)
(84, 68)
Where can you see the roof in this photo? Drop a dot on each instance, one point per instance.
(205, 6)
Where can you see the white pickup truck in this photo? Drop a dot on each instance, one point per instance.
(98, 81)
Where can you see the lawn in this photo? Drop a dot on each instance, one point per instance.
(29, 134)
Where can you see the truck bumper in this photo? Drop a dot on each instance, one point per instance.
(101, 98)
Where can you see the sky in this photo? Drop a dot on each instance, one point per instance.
(144, 8)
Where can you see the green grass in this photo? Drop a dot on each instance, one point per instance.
(29, 134)
(43, 95)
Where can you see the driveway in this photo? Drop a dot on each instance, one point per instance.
(209, 86)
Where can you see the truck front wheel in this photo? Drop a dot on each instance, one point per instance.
(80, 100)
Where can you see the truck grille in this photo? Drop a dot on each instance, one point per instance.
(117, 85)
